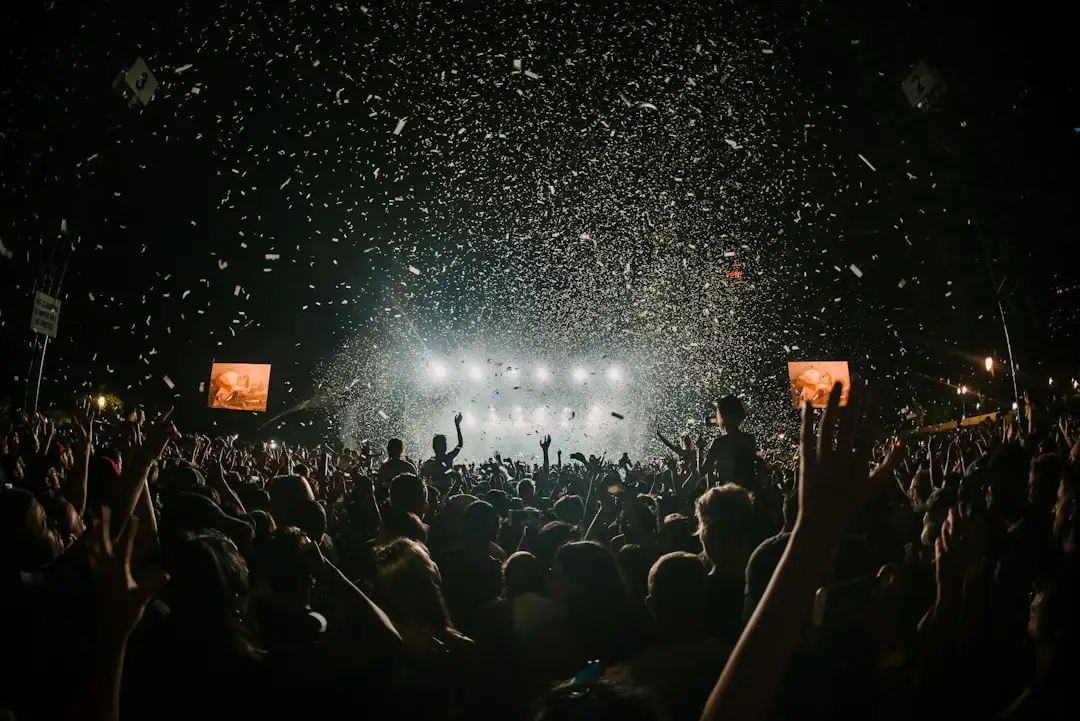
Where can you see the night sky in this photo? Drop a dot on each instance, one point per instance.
(346, 190)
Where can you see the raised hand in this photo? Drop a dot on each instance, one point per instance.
(83, 424)
(158, 434)
(834, 469)
(457, 419)
(545, 443)
(960, 549)
(120, 600)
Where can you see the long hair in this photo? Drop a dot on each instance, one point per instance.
(209, 595)
(408, 585)
(599, 603)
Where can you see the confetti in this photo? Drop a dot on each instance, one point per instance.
(856, 270)
(400, 126)
(168, 382)
(863, 158)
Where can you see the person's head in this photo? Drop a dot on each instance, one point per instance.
(438, 444)
(1053, 625)
(26, 540)
(522, 573)
(1066, 520)
(66, 520)
(730, 413)
(401, 524)
(408, 586)
(725, 517)
(586, 573)
(285, 565)
(678, 591)
(311, 519)
(395, 448)
(287, 494)
(570, 510)
(499, 501)
(598, 698)
(208, 593)
(481, 524)
(264, 525)
(408, 493)
(526, 490)
(677, 534)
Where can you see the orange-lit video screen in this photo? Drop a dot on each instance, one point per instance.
(239, 386)
(812, 381)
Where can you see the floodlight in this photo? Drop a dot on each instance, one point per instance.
(579, 374)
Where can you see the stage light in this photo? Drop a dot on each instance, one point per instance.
(101, 401)
(541, 374)
(438, 370)
(469, 420)
(475, 373)
(512, 372)
(564, 423)
(614, 374)
(579, 374)
(540, 414)
(517, 410)
(566, 411)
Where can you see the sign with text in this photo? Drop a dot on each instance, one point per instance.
(46, 315)
(239, 386)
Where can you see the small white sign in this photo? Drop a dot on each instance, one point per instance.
(922, 86)
(137, 83)
(46, 315)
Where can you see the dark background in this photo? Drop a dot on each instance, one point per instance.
(155, 201)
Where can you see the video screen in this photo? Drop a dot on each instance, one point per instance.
(239, 386)
(812, 381)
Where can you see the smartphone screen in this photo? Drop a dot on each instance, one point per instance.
(812, 382)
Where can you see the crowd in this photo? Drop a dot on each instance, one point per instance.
(147, 573)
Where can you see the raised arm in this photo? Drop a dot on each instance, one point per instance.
(834, 485)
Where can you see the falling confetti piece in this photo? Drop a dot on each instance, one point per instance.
(414, 270)
(863, 158)
(183, 68)
(287, 180)
(856, 270)
(272, 256)
(620, 416)
(400, 126)
(382, 414)
(168, 382)
(902, 283)
(202, 387)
